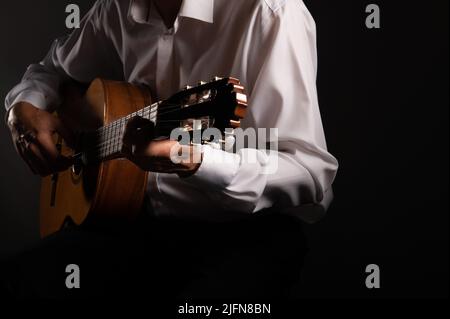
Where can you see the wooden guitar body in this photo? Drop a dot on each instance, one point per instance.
(110, 191)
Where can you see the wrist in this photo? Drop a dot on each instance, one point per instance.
(188, 170)
(190, 164)
(17, 109)
(10, 114)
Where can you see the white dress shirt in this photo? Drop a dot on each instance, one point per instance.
(270, 45)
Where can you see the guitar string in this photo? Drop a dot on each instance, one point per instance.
(106, 130)
(109, 150)
(112, 144)
(146, 113)
(115, 144)
(121, 125)
(151, 108)
(111, 129)
(116, 140)
(111, 134)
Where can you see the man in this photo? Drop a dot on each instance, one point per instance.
(270, 46)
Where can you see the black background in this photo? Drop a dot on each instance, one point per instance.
(384, 101)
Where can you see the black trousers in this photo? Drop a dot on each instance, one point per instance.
(260, 257)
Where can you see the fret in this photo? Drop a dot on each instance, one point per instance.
(121, 133)
(147, 113)
(101, 145)
(114, 140)
(105, 143)
(108, 143)
(108, 139)
(120, 137)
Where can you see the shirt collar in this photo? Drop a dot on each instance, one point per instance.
(202, 10)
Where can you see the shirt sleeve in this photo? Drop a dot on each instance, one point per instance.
(82, 56)
(281, 67)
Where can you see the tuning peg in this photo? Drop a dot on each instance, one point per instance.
(200, 83)
(187, 87)
(216, 78)
(234, 81)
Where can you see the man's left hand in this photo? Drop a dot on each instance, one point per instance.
(156, 156)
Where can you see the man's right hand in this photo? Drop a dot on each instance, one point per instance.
(32, 131)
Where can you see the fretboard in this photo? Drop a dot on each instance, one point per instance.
(106, 142)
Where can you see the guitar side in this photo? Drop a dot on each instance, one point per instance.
(107, 193)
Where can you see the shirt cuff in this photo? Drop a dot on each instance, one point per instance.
(217, 170)
(37, 99)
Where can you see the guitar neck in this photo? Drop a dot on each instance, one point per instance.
(220, 103)
(106, 142)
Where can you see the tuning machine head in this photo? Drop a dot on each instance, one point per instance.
(216, 78)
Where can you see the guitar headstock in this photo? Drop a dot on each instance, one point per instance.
(221, 102)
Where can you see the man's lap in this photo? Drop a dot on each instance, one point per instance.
(259, 257)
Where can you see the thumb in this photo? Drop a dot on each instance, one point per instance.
(139, 131)
(65, 133)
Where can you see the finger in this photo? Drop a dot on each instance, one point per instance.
(22, 152)
(146, 132)
(28, 147)
(40, 159)
(48, 149)
(160, 149)
(138, 131)
(156, 156)
(65, 133)
(36, 160)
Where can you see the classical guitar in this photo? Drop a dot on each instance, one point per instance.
(102, 187)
